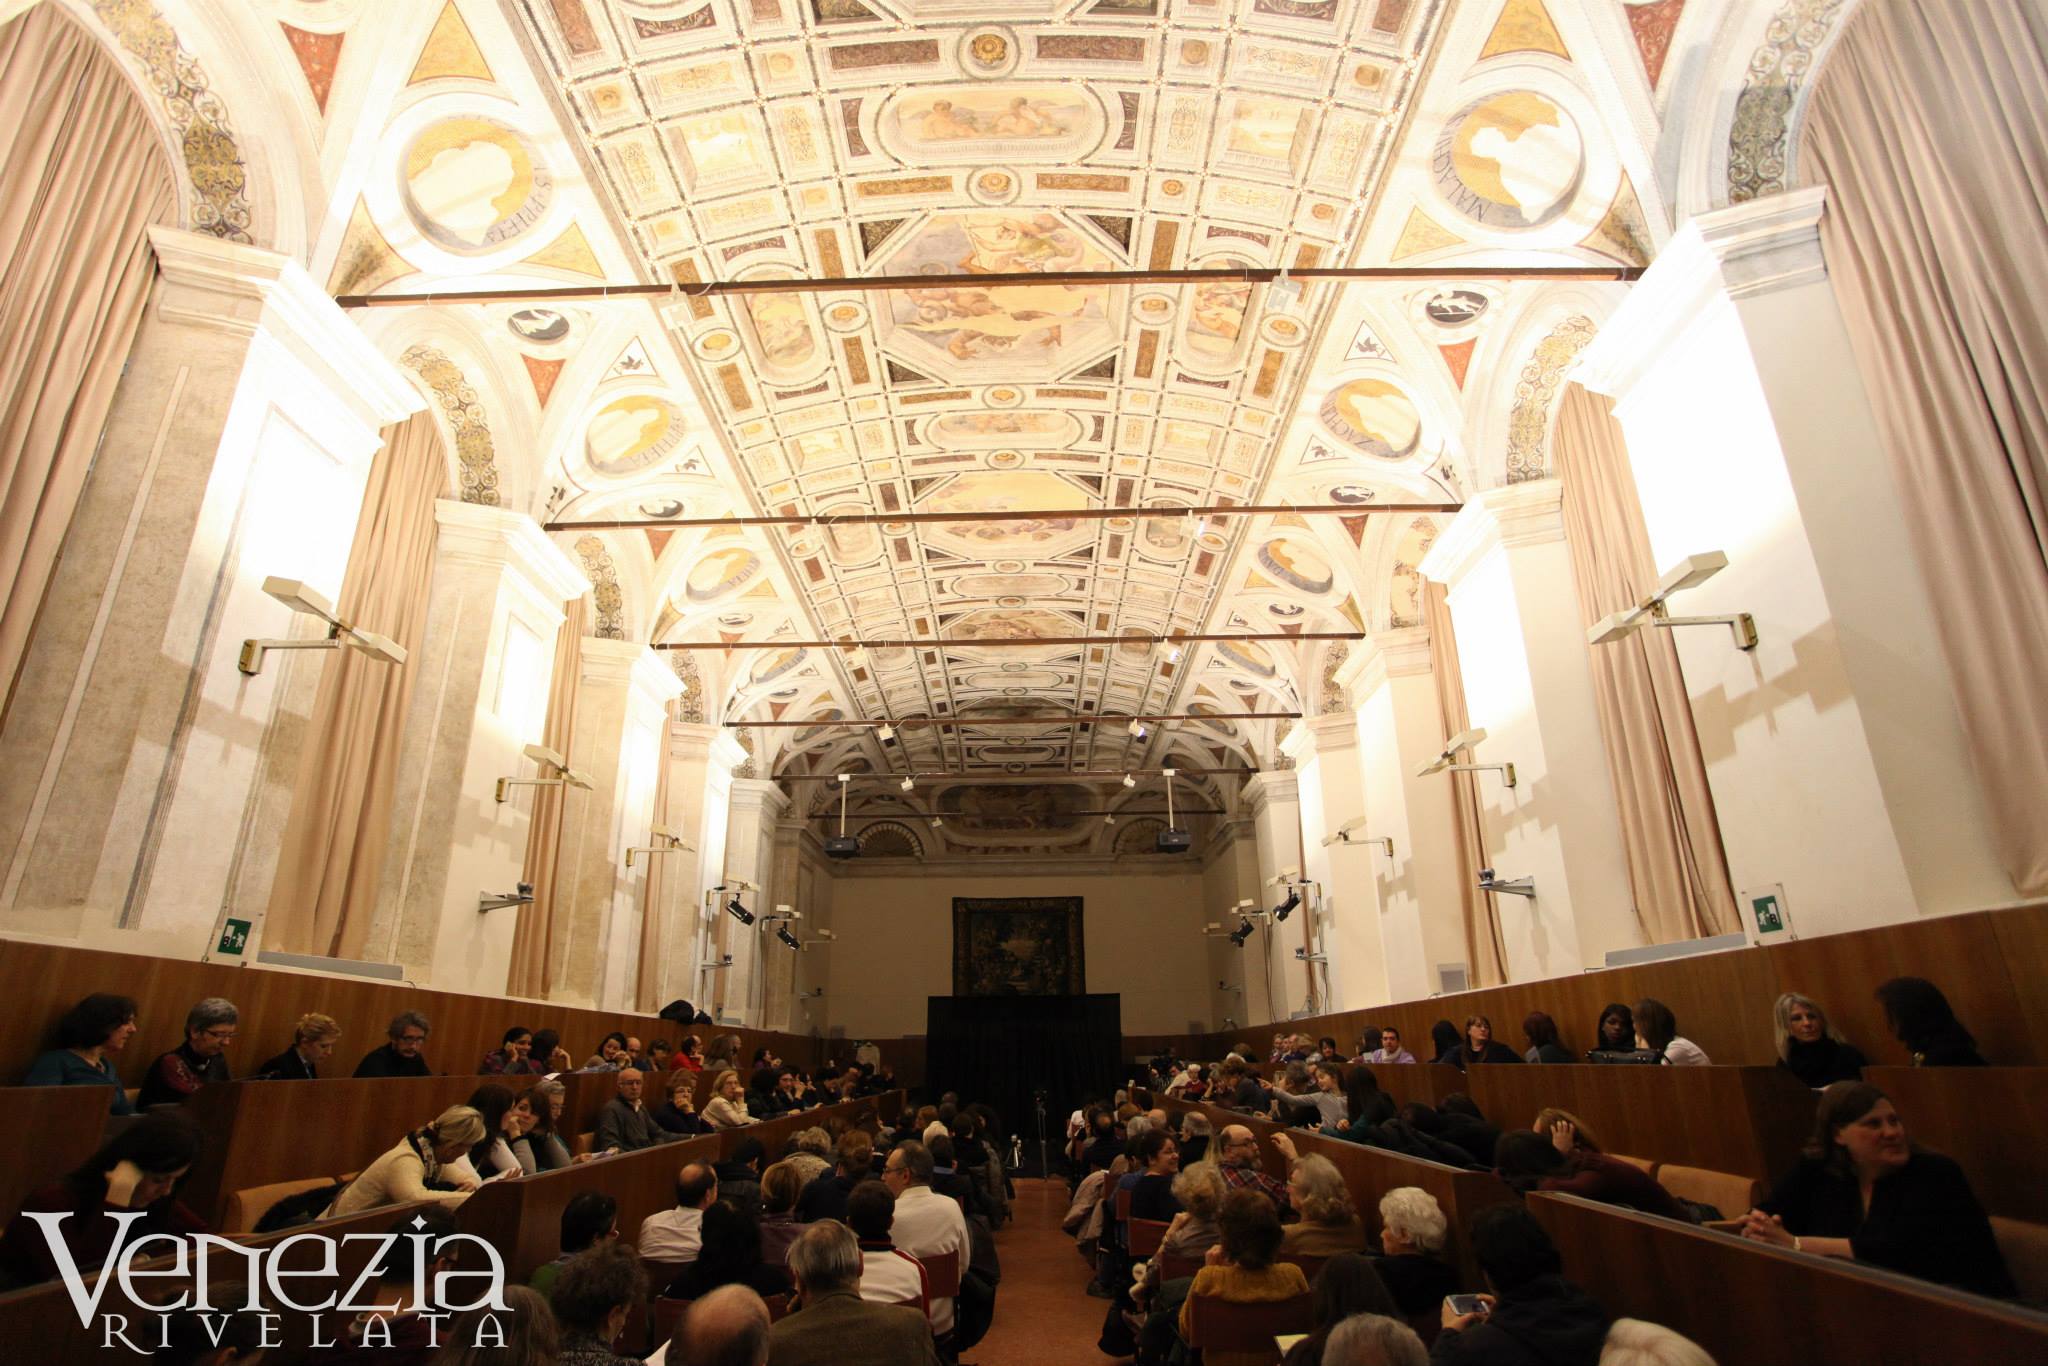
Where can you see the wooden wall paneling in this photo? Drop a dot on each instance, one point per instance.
(46, 1131)
(1417, 1083)
(1989, 1119)
(2023, 948)
(1764, 1306)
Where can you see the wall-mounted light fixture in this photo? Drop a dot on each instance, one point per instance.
(1690, 572)
(1348, 833)
(908, 782)
(660, 840)
(498, 901)
(1521, 886)
(548, 760)
(306, 602)
(1447, 762)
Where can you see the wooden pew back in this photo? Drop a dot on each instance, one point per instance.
(1763, 1306)
(46, 1131)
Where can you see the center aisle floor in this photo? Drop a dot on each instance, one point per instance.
(1044, 1316)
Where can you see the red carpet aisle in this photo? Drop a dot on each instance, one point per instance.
(1043, 1314)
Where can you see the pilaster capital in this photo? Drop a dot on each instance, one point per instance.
(1750, 249)
(1508, 517)
(1399, 653)
(511, 542)
(242, 290)
(629, 666)
(763, 795)
(1265, 788)
(1333, 732)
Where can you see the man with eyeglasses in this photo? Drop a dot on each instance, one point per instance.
(402, 1056)
(199, 1061)
(1239, 1160)
(926, 1224)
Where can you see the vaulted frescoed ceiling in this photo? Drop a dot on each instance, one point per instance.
(676, 143)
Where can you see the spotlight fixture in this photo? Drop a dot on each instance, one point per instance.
(1345, 834)
(1173, 839)
(714, 964)
(1286, 908)
(1173, 654)
(308, 603)
(1283, 877)
(660, 840)
(1690, 572)
(1137, 730)
(547, 759)
(885, 732)
(1109, 818)
(789, 940)
(739, 912)
(1521, 886)
(907, 783)
(938, 821)
(842, 845)
(1244, 931)
(1129, 781)
(1447, 762)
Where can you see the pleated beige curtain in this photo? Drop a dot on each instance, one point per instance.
(1929, 125)
(532, 971)
(331, 866)
(1670, 835)
(1486, 951)
(654, 896)
(82, 176)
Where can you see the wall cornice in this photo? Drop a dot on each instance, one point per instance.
(1513, 515)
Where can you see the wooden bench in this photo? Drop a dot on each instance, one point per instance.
(47, 1131)
(1764, 1306)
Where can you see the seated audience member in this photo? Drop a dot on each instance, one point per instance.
(825, 1197)
(676, 1235)
(388, 1325)
(1346, 1285)
(507, 1116)
(1811, 1048)
(888, 1274)
(547, 1050)
(1328, 1224)
(661, 1058)
(590, 1217)
(88, 1037)
(1390, 1049)
(512, 1058)
(524, 1333)
(1419, 1131)
(1411, 1265)
(810, 1153)
(789, 1094)
(611, 1055)
(739, 1175)
(1374, 1340)
(137, 1170)
(1445, 1045)
(230, 1333)
(1461, 1124)
(1195, 1133)
(1199, 1190)
(728, 1327)
(1332, 1105)
(678, 1114)
(1541, 1032)
(1241, 1268)
(832, 1325)
(1533, 1314)
(949, 1181)
(1239, 1158)
(401, 1055)
(635, 1052)
(1158, 1160)
(625, 1124)
(313, 1040)
(1366, 1107)
(727, 1108)
(927, 1224)
(781, 1186)
(1657, 1030)
(690, 1054)
(593, 1296)
(1549, 1117)
(1105, 1145)
(199, 1061)
(1291, 1099)
(547, 1099)
(1531, 1161)
(1616, 1032)
(1862, 1192)
(412, 1169)
(1919, 1017)
(730, 1254)
(725, 1054)
(1632, 1342)
(1480, 1045)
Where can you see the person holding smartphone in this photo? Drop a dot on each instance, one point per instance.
(1531, 1315)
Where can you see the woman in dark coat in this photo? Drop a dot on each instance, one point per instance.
(139, 1169)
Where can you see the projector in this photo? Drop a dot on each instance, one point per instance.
(842, 846)
(1172, 842)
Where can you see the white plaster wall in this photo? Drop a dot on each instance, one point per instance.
(1142, 937)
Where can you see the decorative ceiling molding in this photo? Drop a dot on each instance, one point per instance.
(1529, 422)
(475, 455)
(1759, 140)
(605, 593)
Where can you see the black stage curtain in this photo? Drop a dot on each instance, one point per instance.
(1005, 1049)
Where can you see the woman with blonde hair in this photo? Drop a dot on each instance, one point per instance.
(1328, 1225)
(1200, 1189)
(1549, 1117)
(727, 1108)
(313, 1041)
(400, 1175)
(1810, 1047)
(1413, 1231)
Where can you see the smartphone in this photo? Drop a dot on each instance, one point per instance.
(1465, 1304)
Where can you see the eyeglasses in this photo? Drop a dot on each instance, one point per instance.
(221, 1034)
(412, 1038)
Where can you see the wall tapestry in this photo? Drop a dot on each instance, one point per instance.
(1017, 946)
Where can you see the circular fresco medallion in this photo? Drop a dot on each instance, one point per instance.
(1153, 309)
(1172, 188)
(1375, 417)
(1212, 541)
(661, 509)
(1286, 611)
(846, 317)
(1296, 565)
(1455, 307)
(1002, 396)
(1323, 213)
(1282, 332)
(631, 433)
(1353, 494)
(1005, 460)
(1511, 160)
(987, 53)
(1008, 566)
(538, 325)
(471, 185)
(720, 573)
(998, 185)
(716, 344)
(1194, 52)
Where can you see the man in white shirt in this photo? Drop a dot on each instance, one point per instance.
(927, 1225)
(888, 1274)
(677, 1235)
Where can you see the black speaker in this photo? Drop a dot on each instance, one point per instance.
(1172, 842)
(842, 846)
